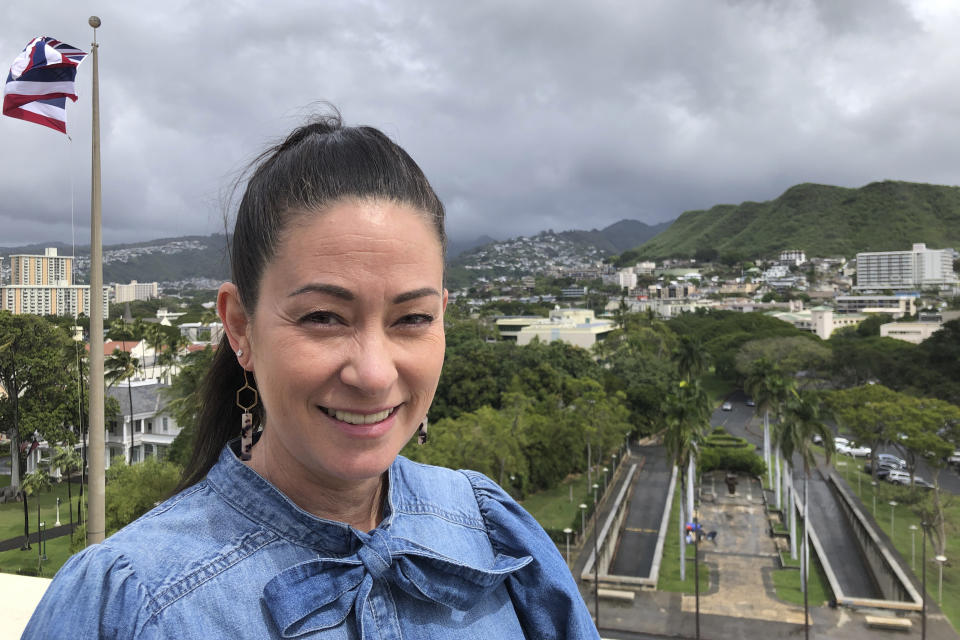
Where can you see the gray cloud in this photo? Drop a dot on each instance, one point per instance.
(525, 116)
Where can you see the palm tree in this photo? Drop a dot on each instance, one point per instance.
(155, 338)
(802, 421)
(686, 411)
(691, 358)
(767, 386)
(32, 484)
(121, 365)
(67, 458)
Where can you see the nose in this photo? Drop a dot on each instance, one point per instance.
(370, 366)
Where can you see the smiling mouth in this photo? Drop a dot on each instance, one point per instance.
(359, 418)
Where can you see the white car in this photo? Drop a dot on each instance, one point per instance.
(851, 449)
(726, 406)
(903, 478)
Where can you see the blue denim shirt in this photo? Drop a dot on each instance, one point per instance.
(232, 557)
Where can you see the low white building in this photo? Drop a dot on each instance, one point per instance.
(820, 320)
(578, 327)
(915, 332)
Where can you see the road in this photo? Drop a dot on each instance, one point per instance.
(638, 535)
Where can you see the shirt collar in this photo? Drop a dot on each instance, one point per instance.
(251, 494)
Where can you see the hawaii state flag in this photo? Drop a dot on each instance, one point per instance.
(40, 81)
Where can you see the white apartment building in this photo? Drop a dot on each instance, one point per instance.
(645, 268)
(135, 291)
(915, 269)
(627, 278)
(896, 306)
(46, 300)
(794, 256)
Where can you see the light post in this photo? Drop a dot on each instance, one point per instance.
(941, 560)
(567, 533)
(595, 487)
(892, 503)
(874, 484)
(583, 519)
(57, 523)
(859, 488)
(913, 547)
(606, 470)
(923, 581)
(843, 465)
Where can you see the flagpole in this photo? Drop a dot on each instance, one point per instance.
(96, 511)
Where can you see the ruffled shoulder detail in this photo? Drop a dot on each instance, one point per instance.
(96, 594)
(544, 592)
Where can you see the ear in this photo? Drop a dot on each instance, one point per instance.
(235, 321)
(446, 297)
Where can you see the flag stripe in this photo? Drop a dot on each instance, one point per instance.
(40, 80)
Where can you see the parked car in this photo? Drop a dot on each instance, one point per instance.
(954, 459)
(750, 402)
(897, 476)
(726, 406)
(851, 449)
(883, 469)
(889, 458)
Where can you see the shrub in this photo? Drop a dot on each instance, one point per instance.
(730, 459)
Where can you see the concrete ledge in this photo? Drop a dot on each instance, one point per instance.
(889, 622)
(616, 594)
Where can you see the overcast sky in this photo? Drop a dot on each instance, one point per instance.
(525, 115)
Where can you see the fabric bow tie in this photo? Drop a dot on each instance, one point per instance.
(320, 593)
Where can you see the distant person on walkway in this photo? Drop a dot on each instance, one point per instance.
(297, 517)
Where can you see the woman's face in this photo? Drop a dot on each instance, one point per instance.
(346, 341)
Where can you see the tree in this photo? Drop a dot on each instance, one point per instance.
(873, 413)
(37, 373)
(691, 358)
(183, 402)
(132, 490)
(33, 484)
(119, 366)
(67, 459)
(792, 354)
(686, 411)
(801, 422)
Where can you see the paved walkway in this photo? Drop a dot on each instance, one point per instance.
(743, 557)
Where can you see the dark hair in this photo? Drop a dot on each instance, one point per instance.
(316, 166)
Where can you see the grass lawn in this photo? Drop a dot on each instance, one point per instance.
(11, 513)
(669, 579)
(553, 508)
(787, 584)
(903, 517)
(58, 550)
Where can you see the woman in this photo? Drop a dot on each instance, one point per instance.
(317, 527)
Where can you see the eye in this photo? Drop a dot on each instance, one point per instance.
(321, 318)
(415, 320)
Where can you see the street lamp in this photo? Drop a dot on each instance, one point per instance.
(892, 504)
(606, 470)
(874, 484)
(941, 560)
(595, 487)
(923, 581)
(583, 519)
(567, 533)
(913, 547)
(843, 465)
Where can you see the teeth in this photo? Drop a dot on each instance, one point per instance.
(359, 418)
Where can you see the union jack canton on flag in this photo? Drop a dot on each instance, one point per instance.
(40, 80)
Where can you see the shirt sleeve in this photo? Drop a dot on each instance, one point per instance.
(96, 594)
(544, 593)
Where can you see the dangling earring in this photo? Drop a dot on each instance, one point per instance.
(246, 420)
(422, 432)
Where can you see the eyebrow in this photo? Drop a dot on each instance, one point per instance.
(345, 294)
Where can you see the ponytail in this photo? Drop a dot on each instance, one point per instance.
(218, 421)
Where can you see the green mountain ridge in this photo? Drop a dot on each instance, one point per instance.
(821, 220)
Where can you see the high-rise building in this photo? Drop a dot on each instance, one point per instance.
(135, 291)
(48, 269)
(43, 285)
(915, 269)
